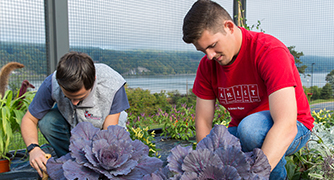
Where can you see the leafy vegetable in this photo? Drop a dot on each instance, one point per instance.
(103, 154)
(160, 174)
(218, 156)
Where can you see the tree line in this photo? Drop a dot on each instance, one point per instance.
(33, 56)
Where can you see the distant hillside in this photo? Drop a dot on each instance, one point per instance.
(322, 64)
(136, 62)
(153, 61)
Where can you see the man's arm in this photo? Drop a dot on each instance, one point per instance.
(204, 116)
(111, 119)
(283, 109)
(119, 104)
(29, 133)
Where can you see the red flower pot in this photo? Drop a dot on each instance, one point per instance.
(4, 165)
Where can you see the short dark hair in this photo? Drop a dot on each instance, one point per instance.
(203, 15)
(75, 70)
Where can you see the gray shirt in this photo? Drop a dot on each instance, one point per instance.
(95, 108)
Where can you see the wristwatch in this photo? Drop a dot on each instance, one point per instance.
(31, 147)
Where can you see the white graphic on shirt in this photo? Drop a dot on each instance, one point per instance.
(239, 94)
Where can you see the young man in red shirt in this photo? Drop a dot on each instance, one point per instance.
(253, 75)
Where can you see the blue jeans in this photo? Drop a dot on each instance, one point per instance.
(56, 131)
(252, 131)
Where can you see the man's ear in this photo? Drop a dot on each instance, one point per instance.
(229, 26)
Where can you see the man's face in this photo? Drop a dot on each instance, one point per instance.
(219, 47)
(78, 96)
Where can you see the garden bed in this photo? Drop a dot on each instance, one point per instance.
(21, 169)
(165, 144)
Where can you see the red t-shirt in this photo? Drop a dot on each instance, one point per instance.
(263, 66)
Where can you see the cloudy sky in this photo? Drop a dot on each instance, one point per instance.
(157, 24)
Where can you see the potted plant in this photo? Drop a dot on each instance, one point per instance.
(11, 113)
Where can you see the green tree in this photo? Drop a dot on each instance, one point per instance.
(330, 78)
(301, 68)
(178, 99)
(143, 103)
(326, 92)
(316, 92)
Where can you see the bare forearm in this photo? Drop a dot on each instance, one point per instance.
(29, 130)
(204, 116)
(283, 110)
(202, 129)
(276, 143)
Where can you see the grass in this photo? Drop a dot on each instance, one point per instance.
(320, 101)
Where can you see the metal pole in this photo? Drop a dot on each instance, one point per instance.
(312, 79)
(236, 13)
(56, 31)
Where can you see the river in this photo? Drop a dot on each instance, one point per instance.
(182, 83)
(319, 79)
(155, 84)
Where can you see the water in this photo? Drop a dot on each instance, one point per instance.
(182, 83)
(155, 84)
(319, 79)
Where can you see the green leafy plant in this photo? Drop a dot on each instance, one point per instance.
(11, 112)
(316, 160)
(178, 123)
(321, 142)
(297, 165)
(146, 137)
(324, 117)
(143, 102)
(221, 116)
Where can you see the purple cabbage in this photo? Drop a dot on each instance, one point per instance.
(103, 154)
(160, 174)
(218, 156)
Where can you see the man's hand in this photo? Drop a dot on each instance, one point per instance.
(38, 160)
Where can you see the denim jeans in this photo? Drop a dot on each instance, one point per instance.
(252, 131)
(56, 131)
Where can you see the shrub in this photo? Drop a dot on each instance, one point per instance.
(146, 137)
(316, 159)
(178, 123)
(143, 102)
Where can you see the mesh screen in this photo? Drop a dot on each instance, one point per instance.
(137, 37)
(22, 39)
(306, 25)
(145, 38)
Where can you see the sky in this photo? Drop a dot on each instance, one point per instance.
(157, 24)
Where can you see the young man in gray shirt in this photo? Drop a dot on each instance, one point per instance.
(78, 91)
